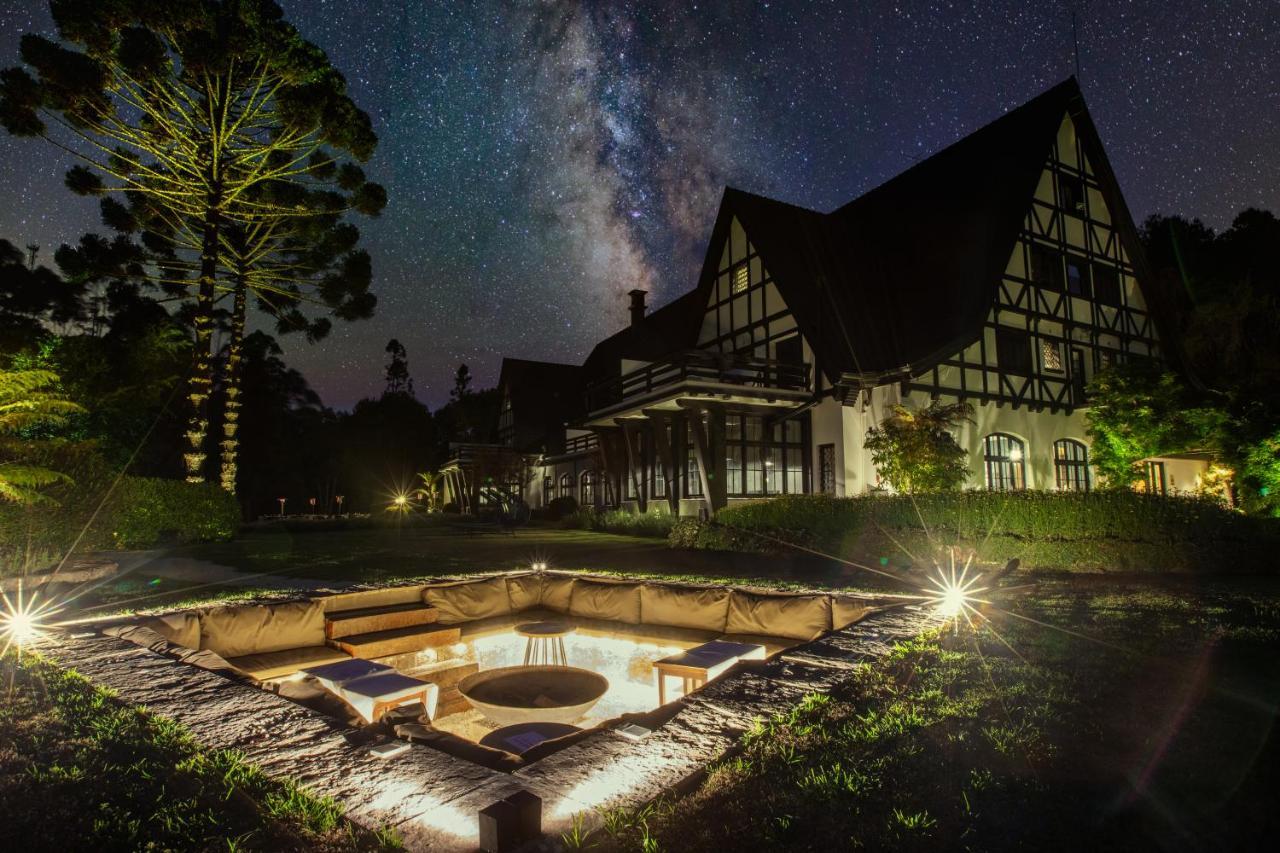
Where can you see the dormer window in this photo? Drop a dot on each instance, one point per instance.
(741, 279)
(1071, 194)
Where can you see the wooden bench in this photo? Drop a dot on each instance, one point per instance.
(702, 663)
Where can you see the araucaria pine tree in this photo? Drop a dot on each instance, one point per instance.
(190, 105)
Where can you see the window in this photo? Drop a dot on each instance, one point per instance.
(790, 351)
(548, 490)
(1071, 194)
(1005, 462)
(1079, 380)
(587, 490)
(827, 469)
(1155, 484)
(1013, 352)
(1050, 357)
(1071, 465)
(741, 279)
(1046, 267)
(763, 459)
(692, 477)
(566, 485)
(1106, 284)
(1077, 277)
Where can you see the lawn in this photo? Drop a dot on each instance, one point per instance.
(1146, 724)
(80, 771)
(384, 553)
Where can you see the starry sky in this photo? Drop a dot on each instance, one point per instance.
(543, 158)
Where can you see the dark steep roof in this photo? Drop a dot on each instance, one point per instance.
(544, 397)
(669, 329)
(906, 273)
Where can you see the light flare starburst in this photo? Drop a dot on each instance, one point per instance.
(953, 595)
(24, 620)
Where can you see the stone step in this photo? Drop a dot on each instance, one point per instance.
(380, 644)
(446, 674)
(367, 620)
(451, 701)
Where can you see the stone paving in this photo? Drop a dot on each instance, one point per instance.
(432, 799)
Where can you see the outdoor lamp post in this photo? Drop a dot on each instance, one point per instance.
(338, 498)
(281, 506)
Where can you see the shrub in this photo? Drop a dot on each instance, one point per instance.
(140, 513)
(621, 521)
(561, 507)
(148, 510)
(1082, 531)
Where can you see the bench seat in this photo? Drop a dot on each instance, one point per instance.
(268, 665)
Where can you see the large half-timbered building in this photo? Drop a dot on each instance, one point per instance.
(1003, 271)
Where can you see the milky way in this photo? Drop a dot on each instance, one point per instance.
(544, 158)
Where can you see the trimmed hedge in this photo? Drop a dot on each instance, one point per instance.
(141, 512)
(621, 521)
(1096, 531)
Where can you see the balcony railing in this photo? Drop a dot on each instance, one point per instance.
(580, 443)
(698, 366)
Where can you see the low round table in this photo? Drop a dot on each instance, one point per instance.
(545, 646)
(525, 736)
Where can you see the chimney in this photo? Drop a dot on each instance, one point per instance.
(637, 305)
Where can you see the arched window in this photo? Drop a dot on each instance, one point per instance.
(587, 490)
(1005, 459)
(566, 485)
(1071, 465)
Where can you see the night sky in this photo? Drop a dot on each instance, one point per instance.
(544, 158)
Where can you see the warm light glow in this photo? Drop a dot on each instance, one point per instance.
(23, 622)
(953, 596)
(1015, 455)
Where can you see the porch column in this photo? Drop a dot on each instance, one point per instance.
(664, 437)
(631, 438)
(708, 447)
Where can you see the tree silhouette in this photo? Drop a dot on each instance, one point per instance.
(398, 379)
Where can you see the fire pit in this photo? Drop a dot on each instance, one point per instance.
(523, 694)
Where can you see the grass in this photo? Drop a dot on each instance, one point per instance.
(1153, 733)
(379, 555)
(80, 771)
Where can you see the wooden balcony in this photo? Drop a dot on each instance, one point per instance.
(698, 373)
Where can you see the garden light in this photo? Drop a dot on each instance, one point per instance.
(953, 596)
(22, 623)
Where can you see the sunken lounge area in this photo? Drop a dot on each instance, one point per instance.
(485, 711)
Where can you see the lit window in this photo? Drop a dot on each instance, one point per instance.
(1071, 465)
(1006, 467)
(1050, 357)
(741, 279)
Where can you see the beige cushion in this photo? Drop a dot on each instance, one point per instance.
(141, 635)
(845, 610)
(181, 629)
(286, 662)
(373, 598)
(618, 602)
(248, 630)
(801, 617)
(468, 600)
(525, 591)
(684, 606)
(213, 662)
(556, 591)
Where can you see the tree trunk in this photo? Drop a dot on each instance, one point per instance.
(202, 371)
(231, 386)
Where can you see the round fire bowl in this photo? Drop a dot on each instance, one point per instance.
(524, 694)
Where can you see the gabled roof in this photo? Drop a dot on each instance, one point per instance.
(669, 329)
(905, 274)
(544, 397)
